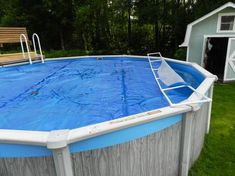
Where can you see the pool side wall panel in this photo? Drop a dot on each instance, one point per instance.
(156, 154)
(199, 129)
(32, 166)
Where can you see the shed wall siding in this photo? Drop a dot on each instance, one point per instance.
(205, 27)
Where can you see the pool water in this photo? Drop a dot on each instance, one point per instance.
(72, 93)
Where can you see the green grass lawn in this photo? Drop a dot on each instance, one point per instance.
(218, 155)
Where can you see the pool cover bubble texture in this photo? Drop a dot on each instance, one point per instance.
(67, 94)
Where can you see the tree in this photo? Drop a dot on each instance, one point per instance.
(62, 13)
(108, 26)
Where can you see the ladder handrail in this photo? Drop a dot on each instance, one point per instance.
(206, 99)
(22, 36)
(39, 45)
(149, 54)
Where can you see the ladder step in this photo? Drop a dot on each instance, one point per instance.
(154, 60)
(176, 87)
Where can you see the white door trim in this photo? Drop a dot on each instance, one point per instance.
(216, 36)
(187, 54)
(203, 50)
(228, 60)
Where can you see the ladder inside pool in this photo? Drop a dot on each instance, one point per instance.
(155, 70)
(23, 38)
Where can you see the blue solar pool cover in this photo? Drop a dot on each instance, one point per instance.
(66, 94)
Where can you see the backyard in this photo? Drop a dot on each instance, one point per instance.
(74, 127)
(218, 154)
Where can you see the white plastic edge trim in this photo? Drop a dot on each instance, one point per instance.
(79, 134)
(23, 137)
(59, 138)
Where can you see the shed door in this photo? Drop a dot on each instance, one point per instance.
(229, 73)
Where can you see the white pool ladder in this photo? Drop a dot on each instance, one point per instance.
(39, 46)
(154, 70)
(23, 38)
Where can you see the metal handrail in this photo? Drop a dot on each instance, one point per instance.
(206, 99)
(39, 46)
(22, 36)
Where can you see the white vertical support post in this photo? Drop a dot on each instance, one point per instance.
(185, 143)
(57, 142)
(209, 109)
(62, 160)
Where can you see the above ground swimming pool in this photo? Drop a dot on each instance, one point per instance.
(73, 106)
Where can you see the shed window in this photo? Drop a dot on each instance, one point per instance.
(226, 23)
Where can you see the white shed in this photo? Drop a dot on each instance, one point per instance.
(210, 42)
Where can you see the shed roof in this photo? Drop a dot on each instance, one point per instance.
(189, 26)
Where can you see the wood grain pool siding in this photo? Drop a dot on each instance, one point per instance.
(43, 166)
(157, 154)
(199, 129)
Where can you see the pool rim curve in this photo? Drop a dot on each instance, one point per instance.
(190, 120)
(61, 138)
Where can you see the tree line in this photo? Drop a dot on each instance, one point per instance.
(109, 26)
